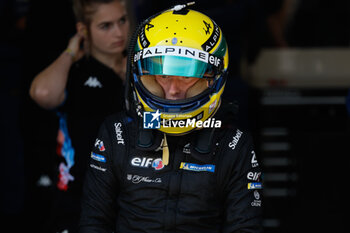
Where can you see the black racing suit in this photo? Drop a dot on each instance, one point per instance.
(128, 190)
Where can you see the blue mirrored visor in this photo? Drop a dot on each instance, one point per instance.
(176, 66)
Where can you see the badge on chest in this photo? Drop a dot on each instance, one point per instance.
(147, 162)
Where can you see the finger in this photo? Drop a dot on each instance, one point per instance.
(74, 43)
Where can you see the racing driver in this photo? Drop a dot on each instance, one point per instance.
(174, 161)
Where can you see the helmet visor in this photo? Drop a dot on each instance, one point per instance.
(180, 61)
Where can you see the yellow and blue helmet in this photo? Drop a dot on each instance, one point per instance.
(178, 42)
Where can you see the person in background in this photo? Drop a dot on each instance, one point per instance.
(174, 161)
(83, 85)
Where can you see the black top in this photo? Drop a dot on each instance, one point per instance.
(93, 92)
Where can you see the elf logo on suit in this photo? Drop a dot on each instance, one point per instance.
(146, 162)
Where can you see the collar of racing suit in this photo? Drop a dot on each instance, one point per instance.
(201, 141)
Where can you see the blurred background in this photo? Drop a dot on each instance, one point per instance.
(289, 74)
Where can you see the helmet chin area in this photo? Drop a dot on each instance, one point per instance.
(179, 117)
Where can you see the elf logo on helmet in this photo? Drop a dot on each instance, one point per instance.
(180, 52)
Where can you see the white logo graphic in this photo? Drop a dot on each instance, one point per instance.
(256, 195)
(257, 201)
(93, 82)
(119, 133)
(151, 120)
(44, 181)
(98, 168)
(209, 123)
(178, 51)
(235, 139)
(186, 149)
(253, 176)
(146, 162)
(254, 160)
(155, 115)
(136, 179)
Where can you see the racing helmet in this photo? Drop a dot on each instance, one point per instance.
(178, 42)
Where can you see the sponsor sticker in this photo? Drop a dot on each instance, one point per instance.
(254, 161)
(119, 133)
(98, 168)
(255, 176)
(255, 185)
(235, 139)
(256, 195)
(186, 149)
(98, 157)
(136, 179)
(179, 51)
(214, 37)
(212, 106)
(146, 162)
(99, 144)
(257, 201)
(197, 167)
(157, 164)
